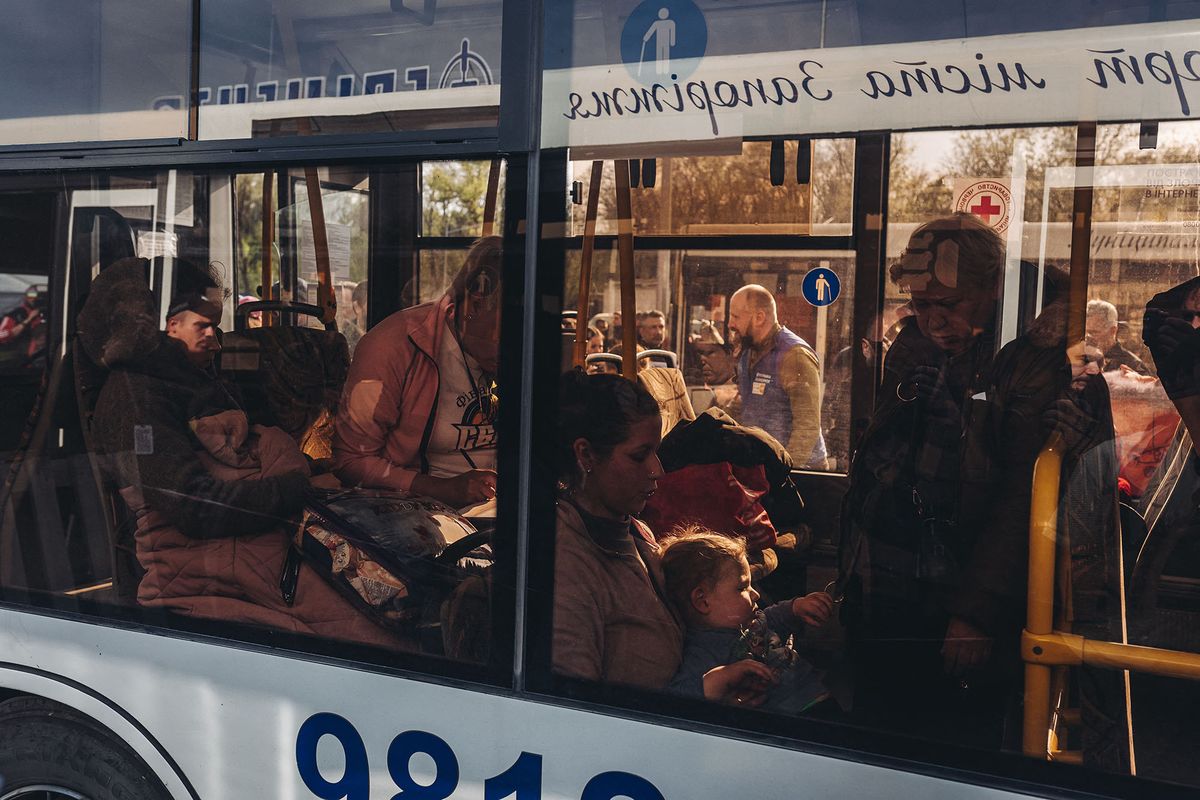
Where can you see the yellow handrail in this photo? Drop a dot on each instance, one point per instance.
(1042, 647)
(1039, 610)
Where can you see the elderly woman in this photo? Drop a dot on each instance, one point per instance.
(611, 622)
(418, 409)
(928, 555)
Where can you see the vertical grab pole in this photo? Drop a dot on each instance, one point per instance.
(585, 263)
(1039, 607)
(316, 212)
(268, 243)
(1081, 229)
(625, 256)
(1047, 471)
(489, 203)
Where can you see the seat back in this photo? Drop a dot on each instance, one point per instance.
(666, 385)
(120, 525)
(291, 378)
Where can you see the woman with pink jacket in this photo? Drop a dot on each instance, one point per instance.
(418, 411)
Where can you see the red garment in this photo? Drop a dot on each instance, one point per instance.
(722, 497)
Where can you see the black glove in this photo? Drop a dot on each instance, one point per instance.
(1174, 344)
(1073, 419)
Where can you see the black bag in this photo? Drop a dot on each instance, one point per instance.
(396, 556)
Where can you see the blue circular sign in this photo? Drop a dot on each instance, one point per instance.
(664, 40)
(821, 286)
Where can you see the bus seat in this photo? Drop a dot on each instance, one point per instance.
(666, 385)
(127, 571)
(289, 377)
(658, 358)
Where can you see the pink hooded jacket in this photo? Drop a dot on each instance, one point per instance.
(390, 399)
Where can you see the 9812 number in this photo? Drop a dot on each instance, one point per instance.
(523, 780)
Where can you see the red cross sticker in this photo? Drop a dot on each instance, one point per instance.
(985, 209)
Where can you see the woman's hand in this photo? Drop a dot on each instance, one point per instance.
(325, 480)
(742, 683)
(469, 488)
(965, 648)
(813, 609)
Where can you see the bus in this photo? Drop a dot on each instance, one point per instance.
(335, 170)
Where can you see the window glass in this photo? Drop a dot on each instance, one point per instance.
(713, 195)
(904, 595)
(461, 198)
(300, 68)
(217, 412)
(753, 27)
(710, 74)
(85, 70)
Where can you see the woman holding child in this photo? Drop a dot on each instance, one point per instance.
(613, 621)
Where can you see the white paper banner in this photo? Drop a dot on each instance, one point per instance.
(1104, 74)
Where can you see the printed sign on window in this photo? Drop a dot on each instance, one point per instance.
(988, 199)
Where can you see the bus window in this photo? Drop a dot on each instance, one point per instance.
(217, 459)
(729, 193)
(101, 72)
(288, 70)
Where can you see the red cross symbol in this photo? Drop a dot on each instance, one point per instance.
(985, 209)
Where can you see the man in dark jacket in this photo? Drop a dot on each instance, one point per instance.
(214, 499)
(936, 519)
(157, 383)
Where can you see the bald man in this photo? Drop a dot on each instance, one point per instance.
(779, 377)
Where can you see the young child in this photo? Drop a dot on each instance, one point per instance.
(708, 578)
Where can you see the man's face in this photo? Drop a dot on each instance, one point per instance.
(716, 363)
(1087, 361)
(653, 331)
(744, 321)
(950, 318)
(1101, 331)
(198, 334)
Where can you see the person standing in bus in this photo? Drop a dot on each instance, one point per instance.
(779, 377)
(418, 410)
(935, 523)
(612, 620)
(215, 499)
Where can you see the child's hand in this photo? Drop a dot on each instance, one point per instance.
(813, 609)
(743, 683)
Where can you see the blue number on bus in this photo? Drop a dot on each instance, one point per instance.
(523, 778)
(400, 754)
(355, 783)
(608, 785)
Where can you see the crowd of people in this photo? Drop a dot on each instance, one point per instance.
(933, 544)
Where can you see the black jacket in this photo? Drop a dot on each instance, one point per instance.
(150, 394)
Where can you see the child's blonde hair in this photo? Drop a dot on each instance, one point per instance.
(696, 556)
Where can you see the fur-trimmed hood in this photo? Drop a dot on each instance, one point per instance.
(118, 326)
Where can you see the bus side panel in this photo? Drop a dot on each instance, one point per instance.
(231, 719)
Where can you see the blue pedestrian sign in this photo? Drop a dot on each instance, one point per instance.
(821, 286)
(663, 41)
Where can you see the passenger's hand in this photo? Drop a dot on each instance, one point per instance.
(1175, 347)
(965, 648)
(469, 488)
(325, 480)
(921, 383)
(742, 683)
(1071, 418)
(813, 609)
(1164, 333)
(34, 316)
